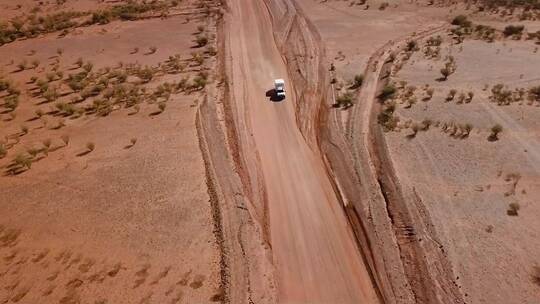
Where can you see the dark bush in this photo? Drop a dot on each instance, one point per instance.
(461, 20)
(511, 30)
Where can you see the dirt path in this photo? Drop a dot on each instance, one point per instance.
(314, 250)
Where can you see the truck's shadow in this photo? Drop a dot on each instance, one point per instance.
(273, 96)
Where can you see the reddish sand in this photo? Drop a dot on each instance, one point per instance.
(314, 250)
(124, 223)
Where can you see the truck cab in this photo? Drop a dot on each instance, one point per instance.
(279, 87)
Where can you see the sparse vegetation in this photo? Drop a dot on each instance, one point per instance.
(513, 209)
(357, 82)
(449, 68)
(22, 162)
(451, 95)
(461, 20)
(162, 105)
(495, 130)
(387, 92)
(152, 50)
(513, 30)
(201, 40)
(90, 146)
(386, 117)
(344, 100)
(65, 139)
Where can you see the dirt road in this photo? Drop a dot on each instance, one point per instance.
(314, 251)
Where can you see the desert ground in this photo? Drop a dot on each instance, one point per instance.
(104, 195)
(144, 158)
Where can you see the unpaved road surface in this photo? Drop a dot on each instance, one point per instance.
(314, 251)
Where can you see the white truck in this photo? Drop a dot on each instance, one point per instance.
(279, 87)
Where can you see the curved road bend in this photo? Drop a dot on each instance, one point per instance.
(314, 250)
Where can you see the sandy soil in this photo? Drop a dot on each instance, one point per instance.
(177, 178)
(128, 222)
(446, 187)
(466, 184)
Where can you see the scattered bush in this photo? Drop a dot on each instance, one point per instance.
(201, 40)
(90, 146)
(211, 51)
(429, 94)
(11, 102)
(449, 68)
(470, 96)
(513, 209)
(152, 50)
(88, 67)
(451, 95)
(65, 139)
(344, 100)
(534, 93)
(23, 161)
(501, 95)
(495, 130)
(101, 17)
(162, 105)
(513, 30)
(467, 130)
(199, 82)
(358, 80)
(387, 92)
(386, 117)
(412, 46)
(461, 20)
(434, 41)
(146, 74)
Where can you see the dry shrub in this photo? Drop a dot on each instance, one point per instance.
(513, 209)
